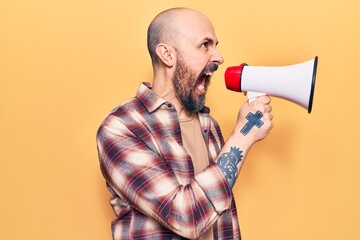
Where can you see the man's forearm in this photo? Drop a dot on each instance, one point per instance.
(232, 156)
(228, 163)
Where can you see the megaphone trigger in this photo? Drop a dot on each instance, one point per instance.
(253, 95)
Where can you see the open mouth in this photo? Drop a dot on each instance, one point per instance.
(204, 79)
(203, 82)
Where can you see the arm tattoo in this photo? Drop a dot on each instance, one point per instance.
(253, 120)
(228, 162)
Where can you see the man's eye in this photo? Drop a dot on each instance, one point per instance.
(205, 44)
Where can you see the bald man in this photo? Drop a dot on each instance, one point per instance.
(162, 154)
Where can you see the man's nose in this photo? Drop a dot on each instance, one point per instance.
(217, 57)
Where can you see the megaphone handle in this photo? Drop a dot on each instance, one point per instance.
(252, 95)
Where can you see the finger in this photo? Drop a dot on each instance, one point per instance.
(270, 116)
(267, 108)
(264, 99)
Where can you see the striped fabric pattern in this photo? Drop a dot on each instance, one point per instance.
(155, 194)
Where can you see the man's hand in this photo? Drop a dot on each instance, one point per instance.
(255, 119)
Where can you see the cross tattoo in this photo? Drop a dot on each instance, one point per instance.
(253, 120)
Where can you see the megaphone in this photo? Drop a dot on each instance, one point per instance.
(295, 83)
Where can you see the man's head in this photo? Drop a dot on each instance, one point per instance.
(183, 42)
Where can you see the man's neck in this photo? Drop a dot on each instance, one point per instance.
(165, 90)
(169, 96)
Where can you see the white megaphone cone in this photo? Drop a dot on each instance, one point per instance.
(295, 83)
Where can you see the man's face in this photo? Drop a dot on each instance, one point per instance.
(196, 60)
(190, 88)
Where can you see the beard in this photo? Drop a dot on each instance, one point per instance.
(186, 83)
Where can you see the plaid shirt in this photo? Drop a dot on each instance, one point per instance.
(155, 194)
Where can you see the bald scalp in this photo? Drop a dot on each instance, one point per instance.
(164, 29)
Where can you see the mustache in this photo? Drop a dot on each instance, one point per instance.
(211, 68)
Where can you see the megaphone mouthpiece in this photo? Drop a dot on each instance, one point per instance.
(233, 77)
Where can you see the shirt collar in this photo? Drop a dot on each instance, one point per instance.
(152, 101)
(148, 98)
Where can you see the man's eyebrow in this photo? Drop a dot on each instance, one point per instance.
(211, 40)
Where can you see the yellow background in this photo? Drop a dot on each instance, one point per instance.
(64, 64)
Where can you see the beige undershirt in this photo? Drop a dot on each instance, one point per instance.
(195, 145)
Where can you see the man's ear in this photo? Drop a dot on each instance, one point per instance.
(165, 54)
